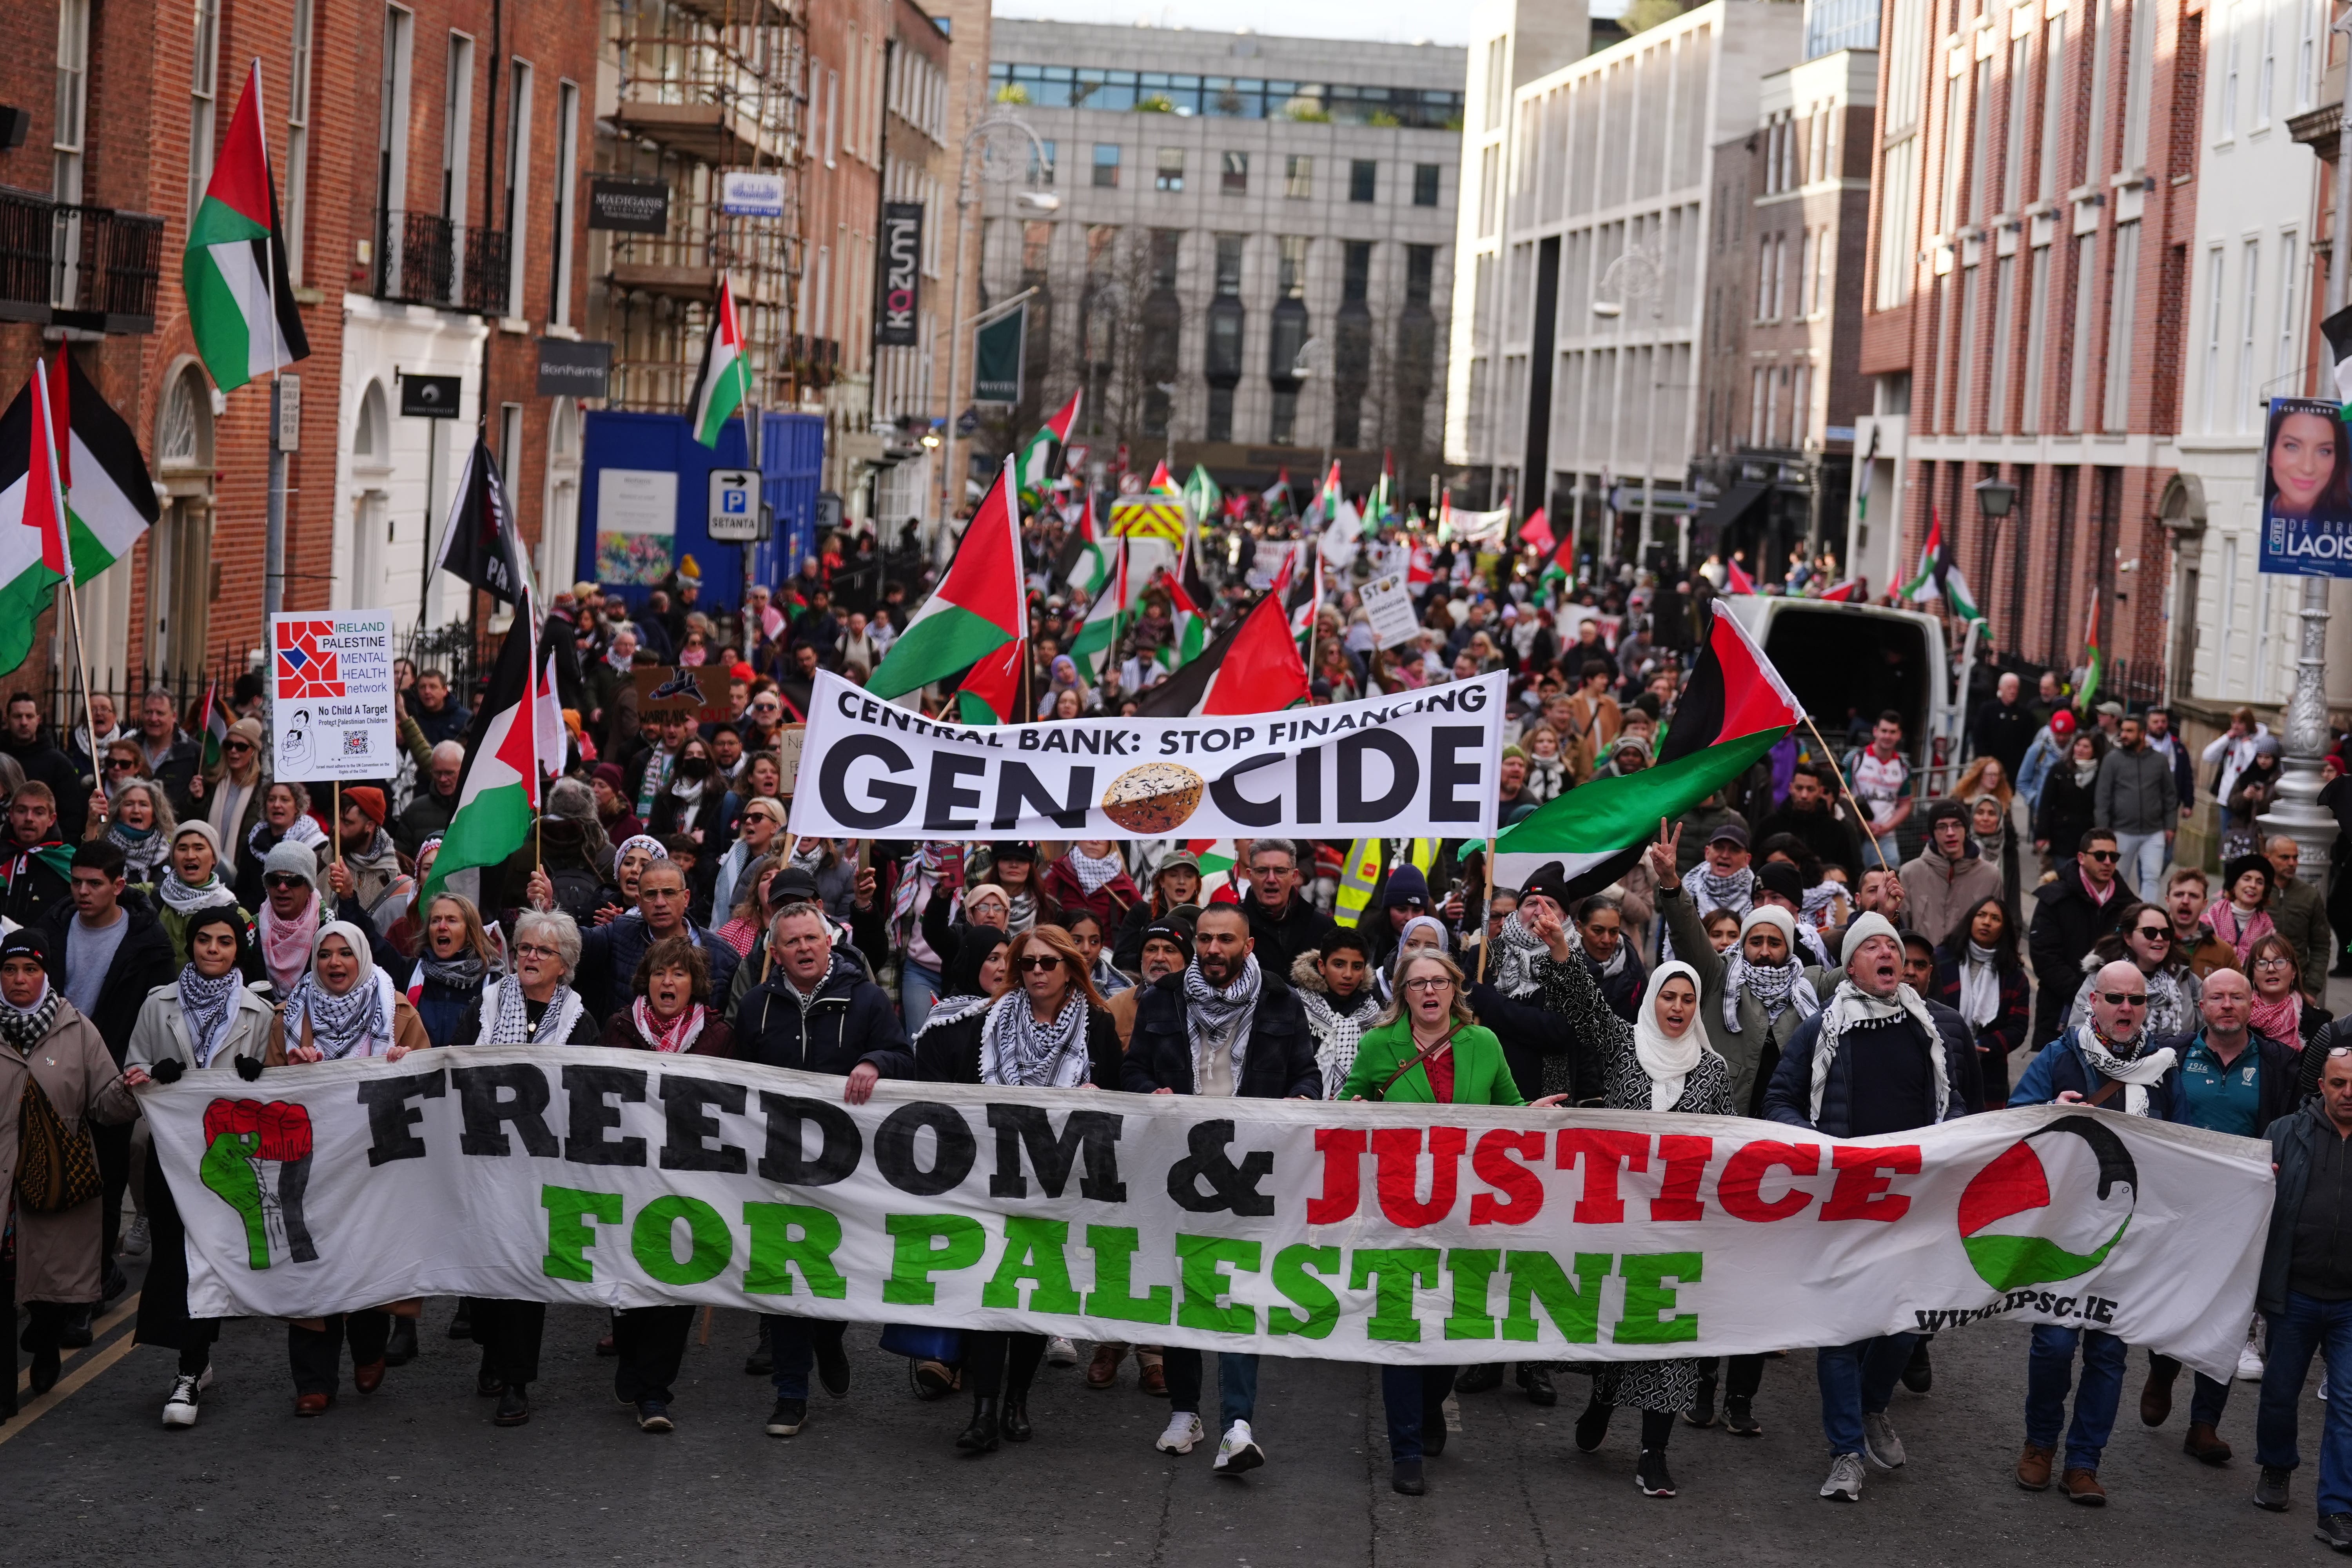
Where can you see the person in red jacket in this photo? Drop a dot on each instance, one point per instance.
(1092, 878)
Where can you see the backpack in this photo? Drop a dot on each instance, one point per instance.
(579, 892)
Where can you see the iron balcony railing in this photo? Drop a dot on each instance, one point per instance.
(423, 259)
(72, 264)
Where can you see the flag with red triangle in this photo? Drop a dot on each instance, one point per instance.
(1840, 593)
(1537, 530)
(33, 555)
(980, 605)
(1040, 461)
(240, 296)
(1252, 667)
(990, 693)
(498, 795)
(1736, 581)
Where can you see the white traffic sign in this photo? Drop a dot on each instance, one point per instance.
(734, 506)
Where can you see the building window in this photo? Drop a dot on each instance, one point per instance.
(1420, 273)
(516, 220)
(1234, 181)
(1424, 185)
(298, 142)
(1297, 177)
(1283, 428)
(1107, 165)
(1167, 247)
(1290, 268)
(1363, 179)
(1036, 250)
(202, 90)
(1170, 176)
(1225, 355)
(1229, 270)
(1220, 414)
(567, 179)
(1356, 272)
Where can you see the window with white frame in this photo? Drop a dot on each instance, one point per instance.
(204, 88)
(2286, 379)
(2250, 291)
(2215, 259)
(567, 180)
(518, 214)
(297, 142)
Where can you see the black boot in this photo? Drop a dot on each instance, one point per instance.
(762, 1361)
(1919, 1375)
(75, 1331)
(461, 1325)
(1536, 1378)
(514, 1406)
(981, 1437)
(1701, 1409)
(1015, 1419)
(1593, 1425)
(401, 1348)
(1480, 1378)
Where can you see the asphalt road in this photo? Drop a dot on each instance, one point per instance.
(417, 1474)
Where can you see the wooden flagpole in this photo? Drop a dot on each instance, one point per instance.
(1845, 792)
(1485, 912)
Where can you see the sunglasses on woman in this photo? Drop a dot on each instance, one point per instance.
(1038, 960)
(2154, 934)
(121, 766)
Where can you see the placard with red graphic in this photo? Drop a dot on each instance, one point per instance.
(330, 695)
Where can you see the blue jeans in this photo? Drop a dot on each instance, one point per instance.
(1412, 1395)
(2142, 863)
(2306, 1327)
(918, 987)
(1856, 1378)
(2050, 1370)
(2207, 1403)
(793, 1342)
(1237, 1384)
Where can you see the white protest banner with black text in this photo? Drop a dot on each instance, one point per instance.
(1419, 764)
(1353, 1232)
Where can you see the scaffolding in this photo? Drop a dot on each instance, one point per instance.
(704, 87)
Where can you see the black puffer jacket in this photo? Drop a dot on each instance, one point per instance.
(847, 1018)
(1279, 1063)
(141, 963)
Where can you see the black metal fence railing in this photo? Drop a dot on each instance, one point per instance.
(78, 266)
(2134, 683)
(423, 259)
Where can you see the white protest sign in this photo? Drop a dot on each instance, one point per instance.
(1294, 1227)
(1388, 604)
(1419, 764)
(330, 695)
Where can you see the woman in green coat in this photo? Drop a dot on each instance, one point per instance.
(1427, 1049)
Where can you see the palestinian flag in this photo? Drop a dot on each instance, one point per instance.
(1329, 499)
(1842, 593)
(33, 556)
(979, 607)
(722, 386)
(1085, 564)
(498, 795)
(1731, 711)
(1040, 461)
(1201, 494)
(1537, 530)
(1252, 667)
(1383, 504)
(110, 495)
(1940, 575)
(2338, 331)
(1099, 634)
(1278, 499)
(553, 737)
(215, 725)
(1189, 599)
(990, 693)
(240, 296)
(1163, 483)
(1562, 567)
(2094, 661)
(1736, 581)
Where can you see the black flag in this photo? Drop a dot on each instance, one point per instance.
(479, 544)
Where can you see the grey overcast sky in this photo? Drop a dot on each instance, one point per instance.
(1390, 21)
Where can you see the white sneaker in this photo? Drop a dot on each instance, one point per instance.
(180, 1409)
(1880, 1443)
(2250, 1363)
(134, 1237)
(2323, 1386)
(1184, 1429)
(1060, 1352)
(1238, 1452)
(1845, 1484)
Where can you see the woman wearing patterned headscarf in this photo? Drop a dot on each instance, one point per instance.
(51, 1056)
(205, 1021)
(345, 1007)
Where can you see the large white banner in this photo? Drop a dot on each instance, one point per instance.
(1354, 1232)
(1419, 764)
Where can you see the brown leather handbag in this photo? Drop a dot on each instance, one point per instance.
(57, 1166)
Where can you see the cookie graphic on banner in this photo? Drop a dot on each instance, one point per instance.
(1154, 798)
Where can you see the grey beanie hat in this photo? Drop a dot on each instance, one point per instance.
(291, 860)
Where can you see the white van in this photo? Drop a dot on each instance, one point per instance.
(1845, 661)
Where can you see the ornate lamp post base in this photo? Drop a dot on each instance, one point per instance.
(2296, 812)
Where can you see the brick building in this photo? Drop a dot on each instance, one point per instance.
(420, 159)
(2032, 208)
(1780, 370)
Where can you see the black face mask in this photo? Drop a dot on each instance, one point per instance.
(693, 768)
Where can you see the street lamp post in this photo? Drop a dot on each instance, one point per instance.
(1302, 371)
(996, 169)
(2296, 810)
(1634, 276)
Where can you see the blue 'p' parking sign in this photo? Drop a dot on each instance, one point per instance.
(734, 505)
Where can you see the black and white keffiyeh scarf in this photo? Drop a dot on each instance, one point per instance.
(506, 1015)
(1851, 1006)
(24, 1026)
(2134, 1073)
(206, 1005)
(342, 1025)
(1094, 871)
(1517, 950)
(1775, 986)
(1218, 1020)
(1338, 1024)
(953, 1010)
(1735, 892)
(1018, 1052)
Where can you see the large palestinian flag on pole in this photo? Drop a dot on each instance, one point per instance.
(979, 607)
(991, 694)
(1730, 713)
(497, 796)
(240, 296)
(1040, 460)
(33, 558)
(721, 383)
(1252, 667)
(110, 495)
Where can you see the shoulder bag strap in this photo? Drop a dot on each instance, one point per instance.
(1421, 1060)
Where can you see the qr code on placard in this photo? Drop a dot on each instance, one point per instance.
(355, 743)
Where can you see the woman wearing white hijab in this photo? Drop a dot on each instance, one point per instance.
(345, 1007)
(1660, 1062)
(1754, 996)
